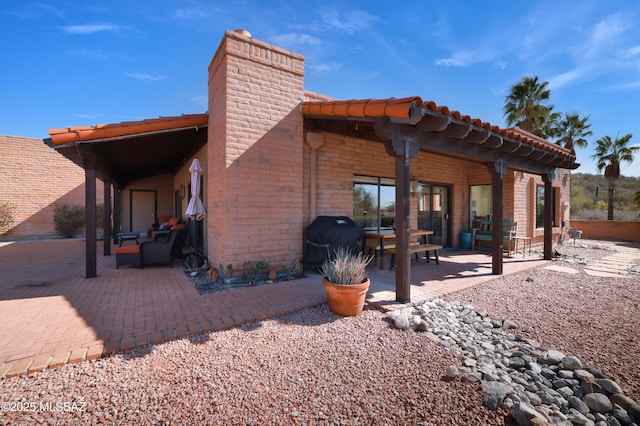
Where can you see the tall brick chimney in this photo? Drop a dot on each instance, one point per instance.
(255, 153)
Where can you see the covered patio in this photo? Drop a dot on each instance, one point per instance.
(409, 126)
(131, 307)
(121, 153)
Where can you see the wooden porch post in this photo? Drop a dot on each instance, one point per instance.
(403, 208)
(106, 220)
(116, 214)
(548, 213)
(403, 148)
(90, 223)
(498, 169)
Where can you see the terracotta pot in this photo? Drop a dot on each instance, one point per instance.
(346, 299)
(213, 273)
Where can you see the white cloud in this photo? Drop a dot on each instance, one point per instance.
(146, 77)
(608, 29)
(328, 67)
(91, 28)
(465, 58)
(292, 40)
(450, 62)
(566, 78)
(630, 85)
(346, 21)
(191, 12)
(501, 65)
(633, 51)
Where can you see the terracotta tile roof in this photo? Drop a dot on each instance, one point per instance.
(405, 109)
(101, 131)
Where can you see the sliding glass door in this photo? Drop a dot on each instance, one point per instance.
(433, 212)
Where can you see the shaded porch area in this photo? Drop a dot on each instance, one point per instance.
(458, 270)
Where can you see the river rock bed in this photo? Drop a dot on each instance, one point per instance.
(537, 386)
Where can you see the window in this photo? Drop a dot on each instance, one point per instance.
(540, 206)
(479, 204)
(374, 201)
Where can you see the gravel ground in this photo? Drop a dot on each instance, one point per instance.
(313, 367)
(596, 319)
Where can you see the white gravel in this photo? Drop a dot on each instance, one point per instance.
(313, 367)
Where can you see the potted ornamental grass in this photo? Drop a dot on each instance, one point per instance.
(345, 281)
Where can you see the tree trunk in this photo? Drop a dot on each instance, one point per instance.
(610, 206)
(611, 174)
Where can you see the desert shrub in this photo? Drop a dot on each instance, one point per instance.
(68, 218)
(7, 215)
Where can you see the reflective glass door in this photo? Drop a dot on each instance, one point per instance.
(433, 212)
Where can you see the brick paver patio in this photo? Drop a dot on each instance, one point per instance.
(52, 315)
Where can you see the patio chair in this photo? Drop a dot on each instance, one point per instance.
(163, 251)
(128, 255)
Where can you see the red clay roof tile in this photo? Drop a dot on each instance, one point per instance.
(401, 108)
(101, 131)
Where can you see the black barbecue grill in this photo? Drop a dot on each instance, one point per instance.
(326, 233)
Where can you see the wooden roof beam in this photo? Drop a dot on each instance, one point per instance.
(431, 123)
(456, 130)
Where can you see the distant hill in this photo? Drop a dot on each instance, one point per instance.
(584, 206)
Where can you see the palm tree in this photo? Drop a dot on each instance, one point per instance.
(524, 107)
(573, 131)
(608, 155)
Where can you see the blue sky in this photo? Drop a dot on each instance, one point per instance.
(69, 63)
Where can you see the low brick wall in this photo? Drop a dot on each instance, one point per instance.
(609, 230)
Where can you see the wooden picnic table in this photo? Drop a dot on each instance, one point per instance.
(383, 235)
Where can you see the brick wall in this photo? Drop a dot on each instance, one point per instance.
(255, 152)
(608, 230)
(33, 176)
(339, 158)
(524, 209)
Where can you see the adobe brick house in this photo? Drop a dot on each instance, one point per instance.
(276, 156)
(34, 179)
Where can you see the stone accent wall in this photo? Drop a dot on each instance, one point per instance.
(34, 177)
(255, 153)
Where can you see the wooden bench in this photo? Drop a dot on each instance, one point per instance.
(484, 233)
(375, 249)
(415, 249)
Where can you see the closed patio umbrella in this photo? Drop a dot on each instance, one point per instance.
(195, 209)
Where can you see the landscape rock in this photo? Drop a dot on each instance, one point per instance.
(536, 386)
(494, 393)
(570, 363)
(524, 413)
(609, 386)
(598, 402)
(553, 357)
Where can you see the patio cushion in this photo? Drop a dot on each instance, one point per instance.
(173, 221)
(163, 219)
(131, 249)
(128, 255)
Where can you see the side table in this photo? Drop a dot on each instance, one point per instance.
(128, 236)
(525, 241)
